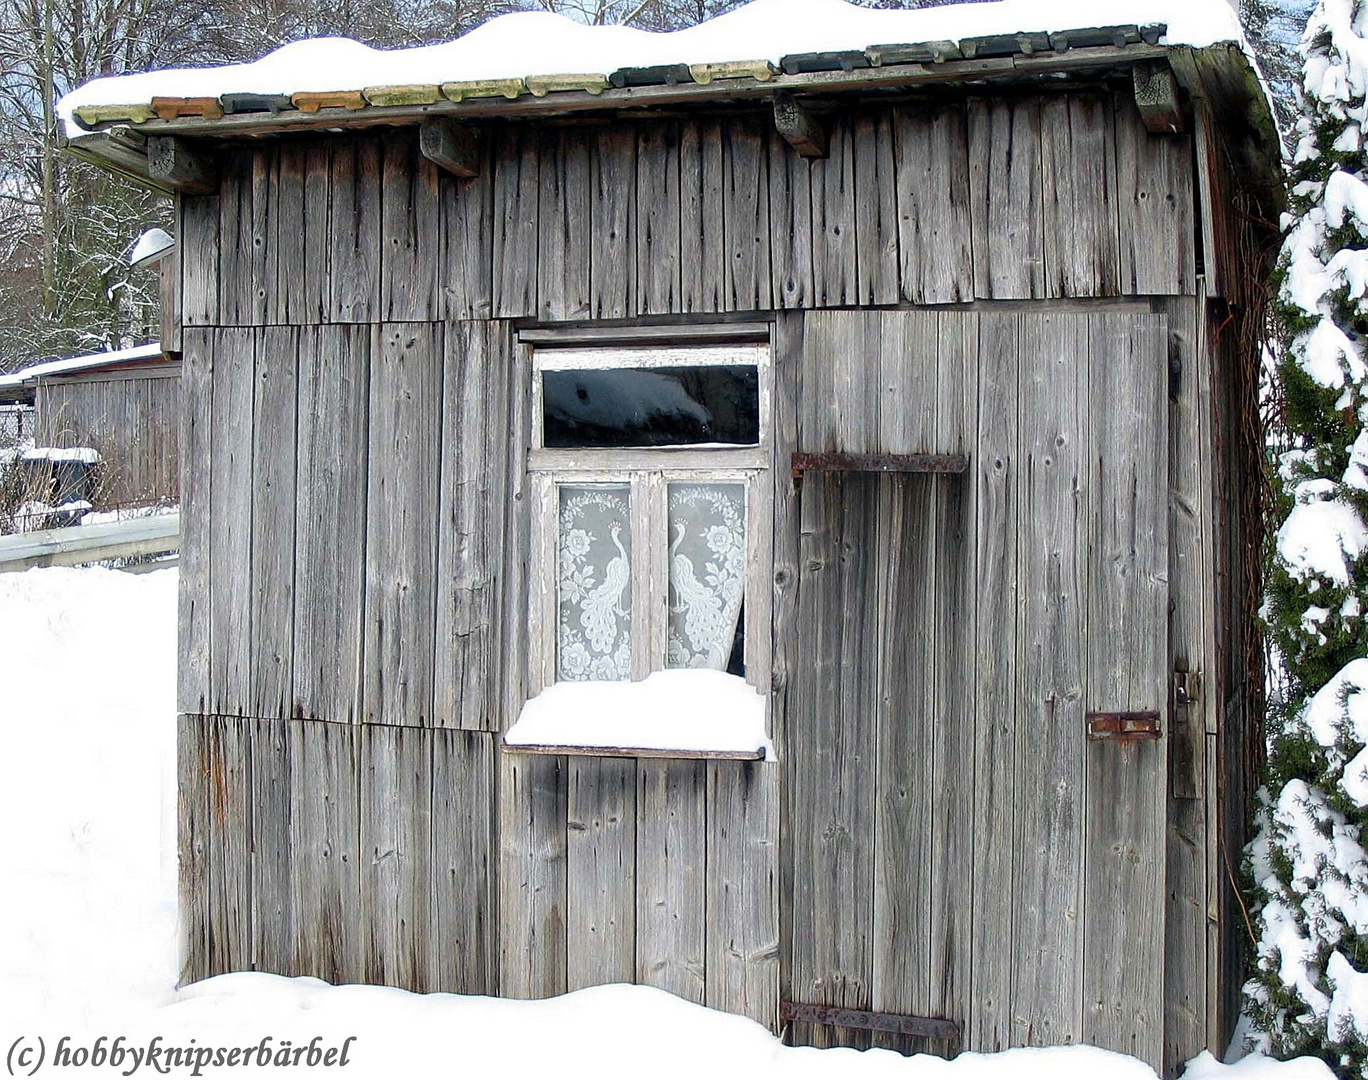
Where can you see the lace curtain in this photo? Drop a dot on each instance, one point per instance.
(594, 620)
(707, 531)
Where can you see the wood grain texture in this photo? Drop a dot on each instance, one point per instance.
(702, 243)
(463, 863)
(330, 520)
(1156, 204)
(993, 940)
(935, 238)
(833, 219)
(230, 542)
(273, 522)
(613, 252)
(658, 268)
(468, 226)
(1005, 202)
(671, 869)
(230, 859)
(195, 611)
(1052, 632)
(396, 857)
(516, 182)
(1127, 661)
(876, 208)
(325, 855)
(411, 245)
(745, 215)
(600, 905)
(199, 243)
(194, 819)
(790, 198)
(1078, 137)
(532, 876)
(563, 225)
(354, 230)
(272, 852)
(405, 448)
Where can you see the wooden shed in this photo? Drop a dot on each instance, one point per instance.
(125, 403)
(957, 339)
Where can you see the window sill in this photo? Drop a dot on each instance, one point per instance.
(635, 752)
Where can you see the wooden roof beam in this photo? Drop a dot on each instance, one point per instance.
(450, 146)
(799, 127)
(175, 164)
(1156, 96)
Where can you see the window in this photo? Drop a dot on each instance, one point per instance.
(651, 512)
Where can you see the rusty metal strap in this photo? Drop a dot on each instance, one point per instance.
(951, 464)
(931, 1027)
(1123, 726)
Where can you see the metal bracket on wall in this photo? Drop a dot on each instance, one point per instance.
(1123, 726)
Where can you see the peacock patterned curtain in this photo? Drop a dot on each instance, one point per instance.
(707, 524)
(594, 626)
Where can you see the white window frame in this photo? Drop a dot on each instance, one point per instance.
(649, 472)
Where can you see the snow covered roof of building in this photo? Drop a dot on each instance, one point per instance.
(27, 377)
(539, 54)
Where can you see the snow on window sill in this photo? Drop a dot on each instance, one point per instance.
(670, 714)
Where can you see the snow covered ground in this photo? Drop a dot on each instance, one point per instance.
(87, 909)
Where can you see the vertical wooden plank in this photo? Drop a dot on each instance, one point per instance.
(273, 924)
(468, 233)
(702, 244)
(901, 351)
(171, 278)
(532, 876)
(996, 540)
(790, 198)
(899, 678)
(516, 179)
(1186, 988)
(1005, 203)
(396, 853)
(266, 294)
(876, 208)
(354, 227)
(1078, 137)
(1127, 567)
(1051, 629)
(330, 521)
(955, 766)
(474, 400)
(742, 886)
(292, 240)
(235, 239)
(563, 225)
(325, 837)
(613, 213)
(831, 732)
(199, 252)
(404, 453)
(671, 866)
(1156, 203)
(600, 904)
(411, 244)
(273, 521)
(230, 514)
(833, 219)
(194, 607)
(658, 216)
(745, 213)
(935, 246)
(462, 862)
(230, 837)
(193, 825)
(308, 302)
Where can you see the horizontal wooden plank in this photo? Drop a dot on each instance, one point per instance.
(888, 463)
(673, 334)
(634, 752)
(932, 1027)
(90, 543)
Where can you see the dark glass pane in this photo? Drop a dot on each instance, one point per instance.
(651, 406)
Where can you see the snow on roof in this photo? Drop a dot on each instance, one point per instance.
(516, 46)
(80, 363)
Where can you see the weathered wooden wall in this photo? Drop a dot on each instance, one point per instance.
(939, 838)
(132, 418)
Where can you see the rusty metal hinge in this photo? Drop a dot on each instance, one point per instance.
(1123, 726)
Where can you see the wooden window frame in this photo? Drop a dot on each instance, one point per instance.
(649, 472)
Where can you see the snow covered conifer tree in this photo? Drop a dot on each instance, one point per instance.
(1309, 875)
